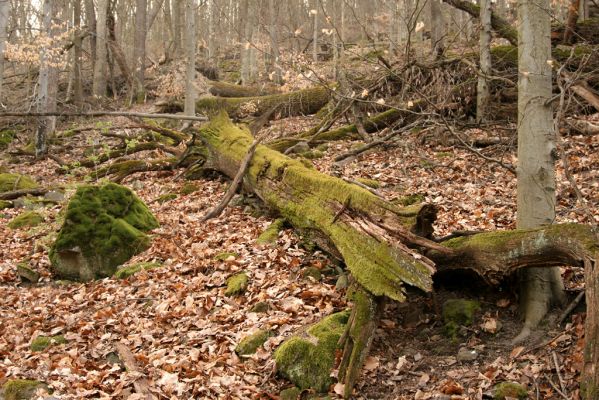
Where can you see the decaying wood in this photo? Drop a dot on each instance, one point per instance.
(101, 114)
(15, 194)
(580, 126)
(141, 384)
(582, 89)
(224, 89)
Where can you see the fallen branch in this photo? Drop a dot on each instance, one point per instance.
(141, 384)
(15, 194)
(100, 114)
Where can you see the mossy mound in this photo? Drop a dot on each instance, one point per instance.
(260, 307)
(307, 358)
(10, 182)
(271, 234)
(409, 200)
(458, 312)
(22, 389)
(291, 393)
(369, 182)
(166, 197)
(126, 272)
(225, 256)
(26, 219)
(251, 343)
(189, 188)
(312, 154)
(237, 284)
(104, 227)
(6, 138)
(509, 390)
(41, 343)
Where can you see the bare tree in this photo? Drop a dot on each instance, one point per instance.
(44, 124)
(99, 86)
(190, 55)
(139, 50)
(4, 8)
(482, 92)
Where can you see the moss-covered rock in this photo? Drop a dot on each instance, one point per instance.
(10, 182)
(409, 200)
(251, 343)
(306, 359)
(6, 138)
(291, 393)
(312, 272)
(237, 284)
(22, 389)
(225, 256)
(41, 343)
(509, 390)
(129, 270)
(104, 227)
(26, 219)
(166, 197)
(271, 233)
(369, 182)
(26, 273)
(260, 307)
(189, 188)
(458, 312)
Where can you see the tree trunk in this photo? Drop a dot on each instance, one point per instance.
(100, 68)
(90, 16)
(314, 13)
(483, 94)
(437, 25)
(536, 144)
(44, 124)
(190, 57)
(274, 43)
(590, 374)
(139, 50)
(224, 89)
(4, 8)
(77, 51)
(176, 14)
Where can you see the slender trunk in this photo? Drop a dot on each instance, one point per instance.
(139, 50)
(211, 35)
(4, 8)
(274, 43)
(246, 42)
(90, 16)
(99, 86)
(536, 146)
(315, 36)
(190, 32)
(77, 85)
(44, 123)
(437, 25)
(177, 37)
(482, 93)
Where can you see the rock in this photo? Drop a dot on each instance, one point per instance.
(509, 390)
(458, 312)
(237, 284)
(104, 227)
(298, 148)
(306, 359)
(41, 343)
(54, 196)
(26, 219)
(291, 393)
(271, 234)
(125, 272)
(166, 197)
(10, 182)
(260, 307)
(465, 354)
(22, 389)
(342, 282)
(189, 188)
(27, 274)
(251, 343)
(312, 272)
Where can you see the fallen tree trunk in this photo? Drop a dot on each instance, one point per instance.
(224, 89)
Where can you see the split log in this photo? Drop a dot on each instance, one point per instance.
(224, 89)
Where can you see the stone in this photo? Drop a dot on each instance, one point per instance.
(27, 274)
(10, 182)
(104, 227)
(260, 307)
(250, 344)
(509, 390)
(27, 219)
(54, 196)
(22, 389)
(237, 284)
(126, 272)
(465, 354)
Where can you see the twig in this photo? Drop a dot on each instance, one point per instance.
(102, 113)
(559, 375)
(245, 163)
(557, 389)
(570, 307)
(546, 343)
(141, 384)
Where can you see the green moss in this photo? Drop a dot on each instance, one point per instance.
(189, 188)
(312, 272)
(369, 182)
(507, 54)
(410, 199)
(260, 307)
(10, 182)
(129, 270)
(22, 389)
(460, 311)
(26, 273)
(251, 343)
(291, 393)
(224, 256)
(443, 154)
(306, 359)
(6, 137)
(41, 343)
(5, 204)
(271, 234)
(505, 390)
(104, 227)
(237, 284)
(312, 154)
(26, 219)
(166, 197)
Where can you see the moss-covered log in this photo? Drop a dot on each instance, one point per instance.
(369, 233)
(120, 170)
(92, 161)
(224, 89)
(302, 102)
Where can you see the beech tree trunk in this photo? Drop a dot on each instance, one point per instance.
(44, 124)
(483, 93)
(139, 51)
(190, 57)
(100, 65)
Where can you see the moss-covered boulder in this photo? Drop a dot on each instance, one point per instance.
(10, 182)
(237, 284)
(126, 272)
(41, 343)
(509, 390)
(458, 312)
(250, 344)
(271, 233)
(22, 389)
(306, 359)
(166, 197)
(291, 393)
(26, 219)
(104, 227)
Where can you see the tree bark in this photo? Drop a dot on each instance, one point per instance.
(139, 51)
(483, 93)
(225, 89)
(190, 57)
(4, 8)
(100, 66)
(44, 124)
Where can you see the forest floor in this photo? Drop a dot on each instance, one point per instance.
(183, 330)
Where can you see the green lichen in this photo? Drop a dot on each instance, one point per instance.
(460, 311)
(311, 205)
(306, 359)
(237, 284)
(26, 219)
(507, 390)
(10, 182)
(226, 255)
(189, 188)
(41, 343)
(369, 182)
(126, 272)
(250, 344)
(104, 227)
(166, 197)
(271, 233)
(22, 389)
(6, 137)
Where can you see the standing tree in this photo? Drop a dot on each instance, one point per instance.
(44, 124)
(4, 7)
(99, 86)
(139, 50)
(536, 151)
(482, 92)
(190, 55)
